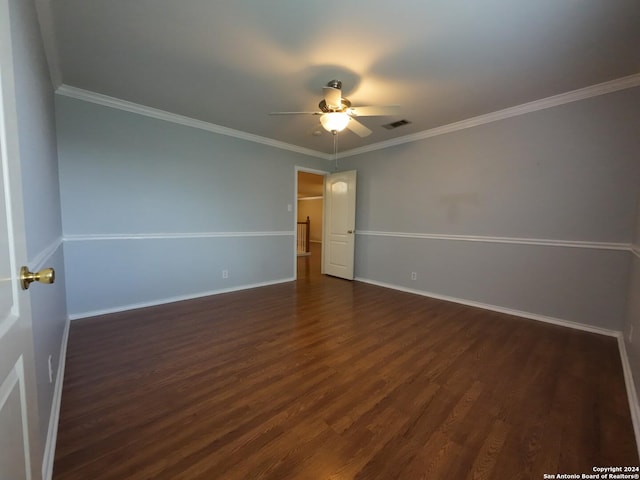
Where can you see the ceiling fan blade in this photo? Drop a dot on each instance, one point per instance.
(333, 97)
(295, 113)
(372, 111)
(359, 129)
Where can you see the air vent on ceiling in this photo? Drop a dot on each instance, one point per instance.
(399, 123)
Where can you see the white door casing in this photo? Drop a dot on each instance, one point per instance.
(339, 224)
(321, 173)
(19, 452)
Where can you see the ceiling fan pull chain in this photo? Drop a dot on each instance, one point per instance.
(335, 149)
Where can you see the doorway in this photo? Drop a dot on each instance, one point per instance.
(309, 222)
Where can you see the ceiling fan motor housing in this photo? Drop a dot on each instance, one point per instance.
(336, 113)
(327, 109)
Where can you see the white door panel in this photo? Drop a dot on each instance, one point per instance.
(14, 451)
(18, 401)
(340, 215)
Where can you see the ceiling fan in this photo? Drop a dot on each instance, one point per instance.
(336, 112)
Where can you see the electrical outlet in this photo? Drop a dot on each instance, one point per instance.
(50, 370)
(414, 276)
(631, 333)
(225, 273)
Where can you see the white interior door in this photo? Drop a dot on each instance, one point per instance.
(18, 401)
(339, 224)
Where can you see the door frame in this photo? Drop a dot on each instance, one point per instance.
(322, 173)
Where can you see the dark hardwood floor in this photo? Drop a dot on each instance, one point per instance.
(328, 379)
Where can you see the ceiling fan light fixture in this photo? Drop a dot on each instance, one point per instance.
(334, 121)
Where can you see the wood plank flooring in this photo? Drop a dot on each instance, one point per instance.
(328, 379)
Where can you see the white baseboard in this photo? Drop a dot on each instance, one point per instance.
(632, 393)
(180, 298)
(52, 434)
(496, 308)
(632, 396)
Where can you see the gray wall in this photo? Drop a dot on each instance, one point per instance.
(36, 129)
(568, 173)
(535, 212)
(154, 211)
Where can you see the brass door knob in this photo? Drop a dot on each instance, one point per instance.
(46, 275)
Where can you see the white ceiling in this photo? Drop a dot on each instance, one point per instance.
(231, 62)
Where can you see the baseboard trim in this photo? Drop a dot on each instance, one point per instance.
(499, 309)
(52, 434)
(632, 393)
(179, 298)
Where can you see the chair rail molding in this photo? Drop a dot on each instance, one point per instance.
(162, 236)
(509, 240)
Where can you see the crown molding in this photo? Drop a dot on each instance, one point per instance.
(611, 86)
(554, 101)
(112, 102)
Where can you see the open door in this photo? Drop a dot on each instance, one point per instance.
(19, 452)
(339, 224)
